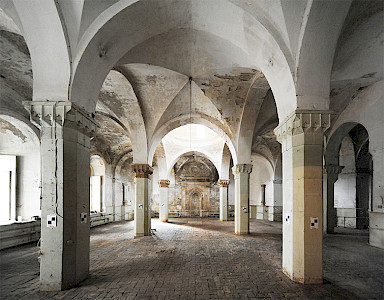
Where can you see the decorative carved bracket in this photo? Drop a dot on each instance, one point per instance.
(164, 183)
(223, 183)
(333, 169)
(302, 121)
(52, 113)
(242, 168)
(142, 170)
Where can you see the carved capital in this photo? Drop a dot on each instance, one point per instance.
(242, 168)
(302, 121)
(333, 169)
(142, 170)
(164, 183)
(223, 183)
(61, 113)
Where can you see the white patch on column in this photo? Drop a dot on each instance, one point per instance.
(287, 219)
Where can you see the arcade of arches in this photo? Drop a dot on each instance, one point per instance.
(237, 110)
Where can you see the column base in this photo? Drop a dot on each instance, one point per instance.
(50, 287)
(303, 280)
(139, 235)
(54, 287)
(241, 233)
(376, 229)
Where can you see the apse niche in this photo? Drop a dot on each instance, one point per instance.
(193, 154)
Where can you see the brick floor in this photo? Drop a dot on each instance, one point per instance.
(201, 259)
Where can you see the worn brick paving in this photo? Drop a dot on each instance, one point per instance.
(201, 259)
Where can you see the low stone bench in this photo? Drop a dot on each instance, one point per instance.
(19, 233)
(100, 219)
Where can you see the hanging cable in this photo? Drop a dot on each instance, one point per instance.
(190, 113)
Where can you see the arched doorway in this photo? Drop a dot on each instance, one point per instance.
(349, 178)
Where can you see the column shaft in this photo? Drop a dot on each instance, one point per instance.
(223, 199)
(65, 228)
(301, 137)
(241, 174)
(142, 204)
(163, 208)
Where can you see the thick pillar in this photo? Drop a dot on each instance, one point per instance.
(331, 173)
(241, 174)
(142, 204)
(163, 208)
(301, 136)
(223, 199)
(65, 157)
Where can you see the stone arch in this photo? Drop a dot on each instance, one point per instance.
(364, 179)
(171, 165)
(185, 120)
(48, 48)
(260, 51)
(313, 68)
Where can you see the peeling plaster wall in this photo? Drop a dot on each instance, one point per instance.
(124, 179)
(16, 138)
(262, 173)
(155, 199)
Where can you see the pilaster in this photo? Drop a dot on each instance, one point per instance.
(163, 209)
(241, 173)
(331, 173)
(65, 158)
(301, 136)
(142, 195)
(223, 199)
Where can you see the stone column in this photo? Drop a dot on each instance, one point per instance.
(142, 204)
(301, 136)
(163, 208)
(223, 199)
(65, 132)
(241, 174)
(331, 173)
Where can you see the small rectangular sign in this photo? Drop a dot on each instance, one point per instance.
(83, 218)
(51, 221)
(314, 223)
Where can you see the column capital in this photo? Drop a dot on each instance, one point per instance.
(242, 168)
(223, 182)
(333, 169)
(142, 170)
(164, 183)
(49, 113)
(304, 121)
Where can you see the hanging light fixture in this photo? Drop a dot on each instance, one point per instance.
(190, 113)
